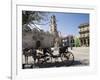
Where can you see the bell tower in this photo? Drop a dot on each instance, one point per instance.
(53, 26)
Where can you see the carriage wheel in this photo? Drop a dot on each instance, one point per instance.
(48, 59)
(67, 58)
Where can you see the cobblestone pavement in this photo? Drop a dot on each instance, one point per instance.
(81, 55)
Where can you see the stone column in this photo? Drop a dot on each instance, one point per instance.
(56, 44)
(86, 42)
(82, 42)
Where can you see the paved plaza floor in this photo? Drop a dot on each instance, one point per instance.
(81, 55)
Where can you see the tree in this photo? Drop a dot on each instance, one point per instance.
(77, 42)
(33, 17)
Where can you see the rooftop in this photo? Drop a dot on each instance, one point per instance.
(83, 25)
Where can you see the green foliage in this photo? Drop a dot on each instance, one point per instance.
(32, 16)
(77, 42)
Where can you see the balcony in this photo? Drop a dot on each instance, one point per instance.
(84, 35)
(84, 31)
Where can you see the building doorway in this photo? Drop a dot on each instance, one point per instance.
(38, 44)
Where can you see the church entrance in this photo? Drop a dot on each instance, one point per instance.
(38, 44)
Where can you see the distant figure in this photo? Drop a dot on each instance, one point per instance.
(71, 44)
(29, 52)
(25, 53)
(34, 54)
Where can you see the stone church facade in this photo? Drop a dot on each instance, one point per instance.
(38, 38)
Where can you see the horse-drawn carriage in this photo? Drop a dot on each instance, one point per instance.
(47, 55)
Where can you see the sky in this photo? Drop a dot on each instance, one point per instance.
(67, 23)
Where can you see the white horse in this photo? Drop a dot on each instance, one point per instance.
(29, 52)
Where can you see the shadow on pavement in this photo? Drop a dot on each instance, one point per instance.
(49, 65)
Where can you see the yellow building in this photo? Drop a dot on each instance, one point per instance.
(84, 34)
